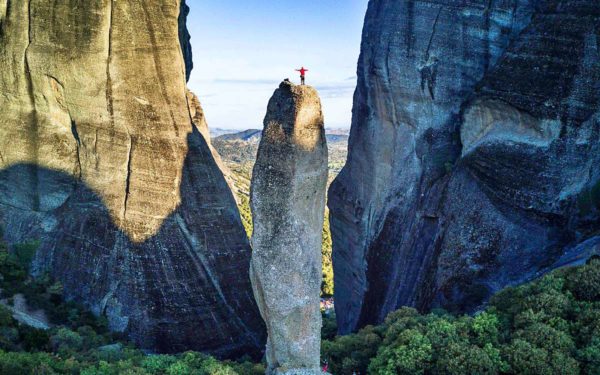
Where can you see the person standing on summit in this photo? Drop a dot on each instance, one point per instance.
(302, 74)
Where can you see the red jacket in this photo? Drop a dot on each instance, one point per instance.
(302, 71)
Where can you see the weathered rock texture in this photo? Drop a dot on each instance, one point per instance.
(474, 152)
(288, 204)
(101, 161)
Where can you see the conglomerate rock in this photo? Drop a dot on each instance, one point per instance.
(288, 204)
(101, 162)
(474, 152)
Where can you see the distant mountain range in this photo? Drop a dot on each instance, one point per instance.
(253, 135)
(215, 132)
(245, 135)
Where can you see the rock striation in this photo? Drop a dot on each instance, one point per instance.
(104, 160)
(288, 205)
(474, 152)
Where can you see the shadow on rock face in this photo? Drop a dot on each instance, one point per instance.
(185, 288)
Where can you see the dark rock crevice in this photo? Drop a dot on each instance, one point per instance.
(109, 83)
(128, 176)
(33, 117)
(184, 38)
(4, 15)
(78, 141)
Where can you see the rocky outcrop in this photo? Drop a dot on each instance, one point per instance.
(101, 161)
(199, 121)
(473, 152)
(288, 204)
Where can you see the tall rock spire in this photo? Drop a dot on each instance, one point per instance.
(288, 203)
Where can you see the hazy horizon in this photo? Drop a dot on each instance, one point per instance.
(243, 50)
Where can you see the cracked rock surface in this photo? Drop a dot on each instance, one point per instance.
(288, 205)
(103, 158)
(473, 155)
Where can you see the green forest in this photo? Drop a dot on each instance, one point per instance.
(549, 326)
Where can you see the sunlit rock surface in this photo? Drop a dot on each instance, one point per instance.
(288, 204)
(101, 161)
(474, 152)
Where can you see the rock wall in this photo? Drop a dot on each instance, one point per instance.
(288, 204)
(474, 152)
(101, 161)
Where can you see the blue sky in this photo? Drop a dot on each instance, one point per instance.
(244, 48)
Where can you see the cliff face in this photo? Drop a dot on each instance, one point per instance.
(100, 159)
(474, 139)
(288, 205)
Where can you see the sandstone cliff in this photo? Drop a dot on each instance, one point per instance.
(474, 152)
(100, 161)
(288, 205)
